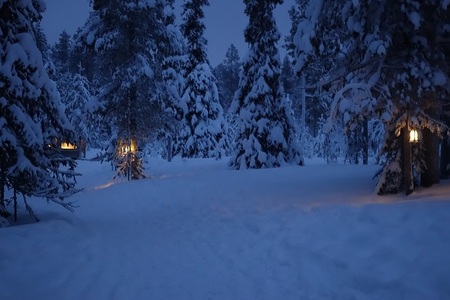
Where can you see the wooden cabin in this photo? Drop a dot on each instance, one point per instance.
(73, 150)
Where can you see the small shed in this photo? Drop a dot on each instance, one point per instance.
(73, 150)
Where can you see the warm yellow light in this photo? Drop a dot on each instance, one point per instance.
(125, 149)
(413, 136)
(68, 146)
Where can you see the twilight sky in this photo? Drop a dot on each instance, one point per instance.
(225, 22)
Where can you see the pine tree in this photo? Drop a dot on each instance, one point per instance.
(62, 53)
(266, 134)
(84, 58)
(31, 115)
(126, 36)
(81, 106)
(387, 64)
(205, 132)
(227, 74)
(75, 91)
(41, 42)
(324, 142)
(193, 29)
(292, 86)
(174, 62)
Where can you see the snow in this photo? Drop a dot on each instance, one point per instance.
(439, 78)
(356, 3)
(415, 19)
(276, 135)
(377, 46)
(205, 116)
(306, 32)
(195, 229)
(354, 25)
(445, 4)
(30, 129)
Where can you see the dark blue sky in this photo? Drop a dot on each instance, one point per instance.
(224, 19)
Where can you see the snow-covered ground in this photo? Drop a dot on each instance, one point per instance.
(197, 230)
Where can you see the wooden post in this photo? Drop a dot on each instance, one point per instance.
(432, 108)
(407, 162)
(445, 157)
(430, 175)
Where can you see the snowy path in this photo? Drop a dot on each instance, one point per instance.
(197, 230)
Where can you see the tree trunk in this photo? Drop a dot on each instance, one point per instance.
(431, 143)
(430, 176)
(445, 157)
(407, 162)
(15, 205)
(365, 142)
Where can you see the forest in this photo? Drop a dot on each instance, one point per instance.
(319, 175)
(359, 79)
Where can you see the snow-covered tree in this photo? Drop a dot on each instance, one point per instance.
(288, 79)
(41, 42)
(227, 75)
(173, 73)
(266, 131)
(75, 91)
(387, 64)
(204, 132)
(62, 52)
(81, 106)
(292, 87)
(126, 36)
(193, 30)
(84, 58)
(316, 139)
(32, 118)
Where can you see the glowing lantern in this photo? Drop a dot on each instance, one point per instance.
(413, 136)
(126, 147)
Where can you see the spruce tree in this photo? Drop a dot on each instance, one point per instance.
(62, 52)
(126, 36)
(266, 135)
(388, 64)
(204, 132)
(41, 42)
(227, 74)
(173, 74)
(31, 115)
(81, 106)
(82, 59)
(76, 91)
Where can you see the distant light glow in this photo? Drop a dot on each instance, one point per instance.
(68, 146)
(104, 186)
(126, 147)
